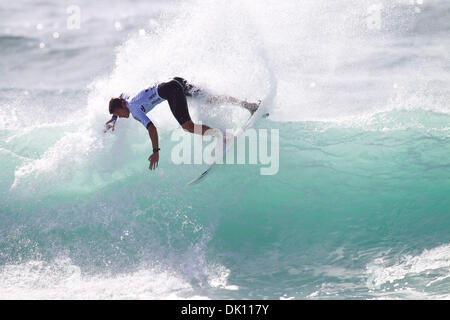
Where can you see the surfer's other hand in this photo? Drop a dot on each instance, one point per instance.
(154, 158)
(109, 125)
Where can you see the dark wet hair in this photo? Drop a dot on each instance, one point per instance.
(114, 104)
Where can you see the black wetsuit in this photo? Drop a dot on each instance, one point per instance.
(175, 92)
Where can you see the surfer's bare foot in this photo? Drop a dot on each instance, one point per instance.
(251, 107)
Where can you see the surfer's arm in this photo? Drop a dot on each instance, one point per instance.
(154, 157)
(153, 133)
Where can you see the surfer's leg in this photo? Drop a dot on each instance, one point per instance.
(174, 93)
(189, 90)
(251, 107)
(201, 129)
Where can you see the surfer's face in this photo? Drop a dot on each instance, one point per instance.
(123, 112)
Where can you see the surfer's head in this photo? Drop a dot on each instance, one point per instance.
(118, 107)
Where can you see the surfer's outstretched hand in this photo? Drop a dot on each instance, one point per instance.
(154, 159)
(110, 125)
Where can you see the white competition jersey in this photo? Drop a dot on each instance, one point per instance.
(142, 103)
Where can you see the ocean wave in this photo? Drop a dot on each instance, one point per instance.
(358, 208)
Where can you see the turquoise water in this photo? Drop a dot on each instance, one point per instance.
(359, 208)
(346, 205)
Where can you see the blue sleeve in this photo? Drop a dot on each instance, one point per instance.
(140, 116)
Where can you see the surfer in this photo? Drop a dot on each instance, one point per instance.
(175, 92)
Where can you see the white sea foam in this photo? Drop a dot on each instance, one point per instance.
(62, 279)
(425, 273)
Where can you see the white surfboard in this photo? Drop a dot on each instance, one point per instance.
(229, 145)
